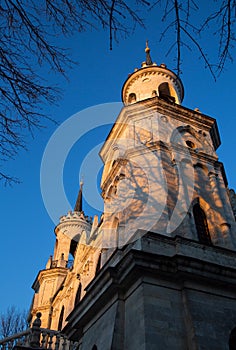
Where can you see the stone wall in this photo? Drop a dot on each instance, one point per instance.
(155, 295)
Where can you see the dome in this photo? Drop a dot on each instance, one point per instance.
(152, 80)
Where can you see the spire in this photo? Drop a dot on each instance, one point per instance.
(78, 204)
(148, 56)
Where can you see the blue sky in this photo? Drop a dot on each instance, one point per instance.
(27, 237)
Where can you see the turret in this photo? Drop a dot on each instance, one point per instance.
(152, 80)
(69, 231)
(50, 280)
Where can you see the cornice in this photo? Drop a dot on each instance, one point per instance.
(153, 105)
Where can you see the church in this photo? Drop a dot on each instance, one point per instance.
(158, 269)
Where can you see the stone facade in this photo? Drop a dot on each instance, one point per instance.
(158, 270)
(159, 293)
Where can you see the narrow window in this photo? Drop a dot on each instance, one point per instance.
(61, 318)
(98, 267)
(201, 224)
(94, 347)
(232, 339)
(78, 295)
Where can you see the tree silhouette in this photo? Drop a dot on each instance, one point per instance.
(30, 35)
(12, 321)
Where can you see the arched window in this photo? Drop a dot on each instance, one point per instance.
(164, 92)
(73, 246)
(201, 224)
(132, 98)
(232, 339)
(78, 295)
(94, 347)
(61, 318)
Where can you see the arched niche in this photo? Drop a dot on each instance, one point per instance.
(132, 98)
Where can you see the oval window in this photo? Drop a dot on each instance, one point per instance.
(190, 144)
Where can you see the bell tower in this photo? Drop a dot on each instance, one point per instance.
(161, 171)
(169, 277)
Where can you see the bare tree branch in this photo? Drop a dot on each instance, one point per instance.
(178, 15)
(30, 31)
(178, 35)
(12, 321)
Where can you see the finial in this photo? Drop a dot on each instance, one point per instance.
(148, 56)
(78, 204)
(147, 48)
(34, 341)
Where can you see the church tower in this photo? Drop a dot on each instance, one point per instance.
(167, 235)
(161, 168)
(54, 296)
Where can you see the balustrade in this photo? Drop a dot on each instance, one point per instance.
(38, 338)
